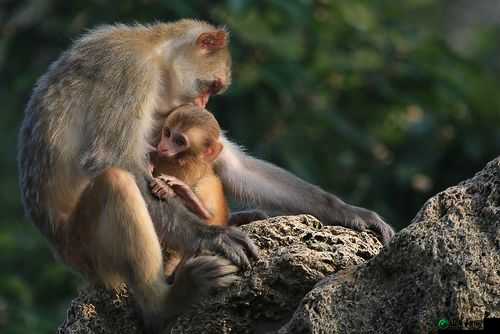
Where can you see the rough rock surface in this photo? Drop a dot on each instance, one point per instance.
(295, 253)
(445, 265)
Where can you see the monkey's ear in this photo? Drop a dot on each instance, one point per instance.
(211, 41)
(213, 151)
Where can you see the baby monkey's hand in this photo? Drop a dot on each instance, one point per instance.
(161, 189)
(185, 193)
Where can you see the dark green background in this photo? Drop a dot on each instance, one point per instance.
(382, 102)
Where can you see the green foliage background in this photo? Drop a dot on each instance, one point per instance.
(365, 98)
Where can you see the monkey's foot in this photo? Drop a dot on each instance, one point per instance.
(195, 278)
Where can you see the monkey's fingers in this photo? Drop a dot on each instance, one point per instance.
(361, 219)
(213, 266)
(237, 255)
(167, 192)
(234, 245)
(156, 182)
(244, 240)
(169, 179)
(162, 191)
(156, 189)
(221, 272)
(178, 185)
(154, 185)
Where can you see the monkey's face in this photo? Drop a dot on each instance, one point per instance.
(190, 132)
(172, 143)
(192, 143)
(203, 68)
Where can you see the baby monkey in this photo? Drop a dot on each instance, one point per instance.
(182, 163)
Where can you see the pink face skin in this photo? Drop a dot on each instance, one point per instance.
(214, 88)
(172, 142)
(210, 42)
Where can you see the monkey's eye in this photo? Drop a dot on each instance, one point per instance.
(166, 132)
(180, 140)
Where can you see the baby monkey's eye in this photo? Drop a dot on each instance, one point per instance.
(180, 140)
(166, 132)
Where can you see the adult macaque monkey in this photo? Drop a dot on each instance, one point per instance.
(84, 169)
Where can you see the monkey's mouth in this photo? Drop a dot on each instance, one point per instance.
(202, 100)
(212, 88)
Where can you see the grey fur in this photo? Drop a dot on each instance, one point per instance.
(91, 111)
(94, 109)
(246, 216)
(274, 190)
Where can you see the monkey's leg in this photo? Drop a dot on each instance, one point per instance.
(122, 245)
(259, 183)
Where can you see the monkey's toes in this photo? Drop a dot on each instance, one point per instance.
(244, 240)
(366, 219)
(211, 272)
(238, 247)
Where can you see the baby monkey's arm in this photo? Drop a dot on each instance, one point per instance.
(165, 186)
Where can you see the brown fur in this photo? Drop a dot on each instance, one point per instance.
(82, 166)
(192, 167)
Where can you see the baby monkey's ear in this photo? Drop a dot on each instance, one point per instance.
(212, 41)
(212, 152)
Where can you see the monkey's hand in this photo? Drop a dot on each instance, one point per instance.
(230, 242)
(160, 189)
(186, 194)
(360, 219)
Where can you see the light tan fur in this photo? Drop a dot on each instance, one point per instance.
(192, 167)
(211, 193)
(83, 168)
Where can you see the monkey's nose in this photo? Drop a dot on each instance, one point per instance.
(162, 149)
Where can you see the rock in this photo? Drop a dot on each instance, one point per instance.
(445, 265)
(97, 310)
(295, 253)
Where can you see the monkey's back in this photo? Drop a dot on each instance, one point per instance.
(99, 82)
(38, 151)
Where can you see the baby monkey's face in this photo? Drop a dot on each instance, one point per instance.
(172, 142)
(190, 132)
